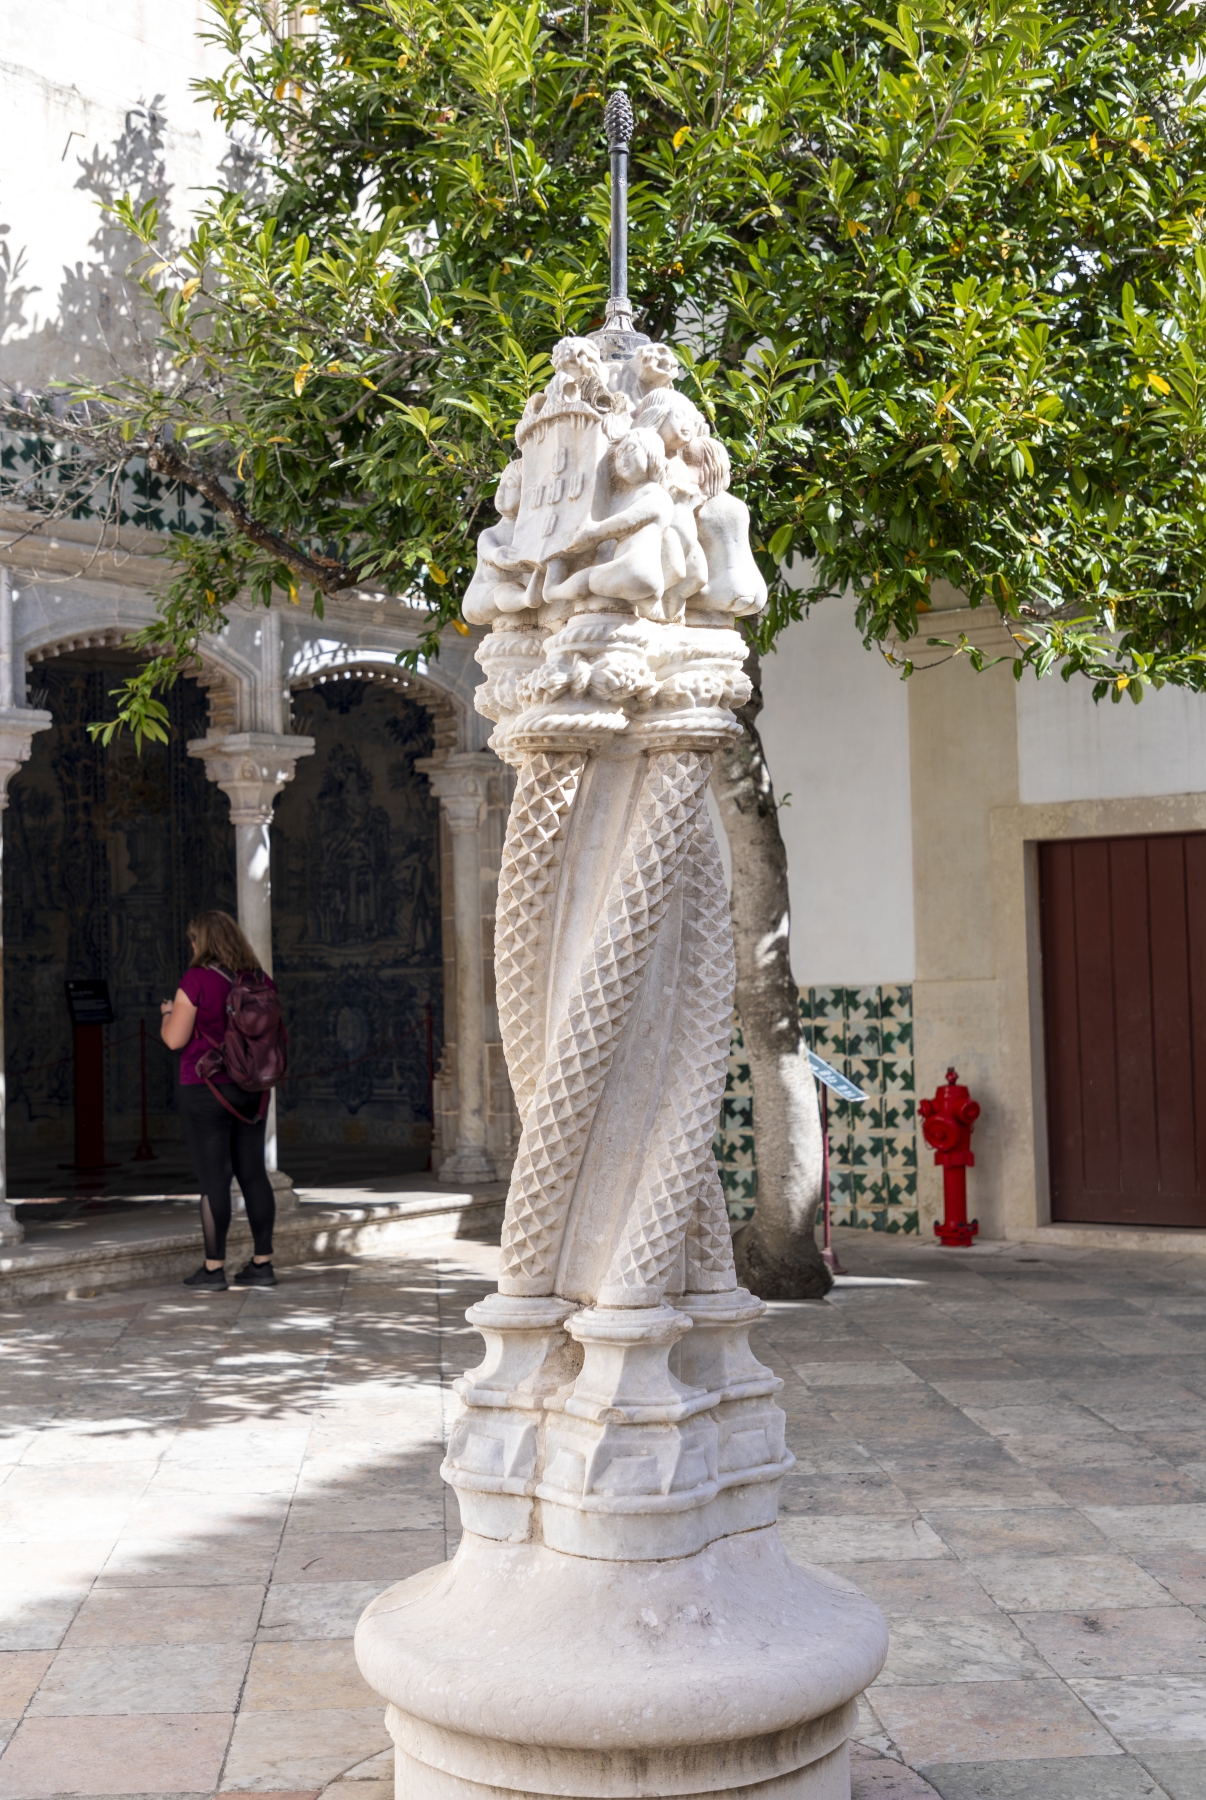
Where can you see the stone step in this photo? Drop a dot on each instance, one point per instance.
(74, 1258)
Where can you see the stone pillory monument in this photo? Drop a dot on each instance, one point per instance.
(620, 1618)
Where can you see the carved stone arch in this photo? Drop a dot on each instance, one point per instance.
(443, 709)
(104, 637)
(226, 683)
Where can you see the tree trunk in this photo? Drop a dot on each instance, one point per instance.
(777, 1254)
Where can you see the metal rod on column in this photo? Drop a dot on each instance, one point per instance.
(619, 123)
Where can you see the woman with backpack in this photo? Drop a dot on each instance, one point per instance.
(223, 1122)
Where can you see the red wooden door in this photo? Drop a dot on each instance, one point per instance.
(1124, 1012)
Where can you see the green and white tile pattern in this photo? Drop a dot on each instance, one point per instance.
(867, 1033)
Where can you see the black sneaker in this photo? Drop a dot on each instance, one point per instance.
(214, 1280)
(255, 1274)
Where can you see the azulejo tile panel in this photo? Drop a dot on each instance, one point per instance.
(866, 1033)
(35, 471)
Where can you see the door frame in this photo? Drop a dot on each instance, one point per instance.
(1015, 833)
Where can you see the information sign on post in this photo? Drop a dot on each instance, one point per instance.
(832, 1081)
(91, 1010)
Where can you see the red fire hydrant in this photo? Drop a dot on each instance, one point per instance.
(948, 1120)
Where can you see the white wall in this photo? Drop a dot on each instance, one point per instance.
(836, 732)
(1070, 748)
(75, 81)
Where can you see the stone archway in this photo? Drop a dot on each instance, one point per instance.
(466, 909)
(357, 938)
(108, 852)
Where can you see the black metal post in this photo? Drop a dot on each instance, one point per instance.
(619, 123)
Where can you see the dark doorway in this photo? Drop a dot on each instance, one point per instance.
(1124, 1007)
(107, 853)
(357, 944)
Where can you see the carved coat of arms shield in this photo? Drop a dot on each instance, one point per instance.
(561, 449)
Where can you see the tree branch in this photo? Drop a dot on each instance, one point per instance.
(322, 572)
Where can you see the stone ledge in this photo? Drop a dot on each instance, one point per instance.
(311, 1233)
(1112, 1237)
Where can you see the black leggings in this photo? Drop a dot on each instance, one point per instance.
(221, 1146)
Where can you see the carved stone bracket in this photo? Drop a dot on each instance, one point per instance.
(251, 768)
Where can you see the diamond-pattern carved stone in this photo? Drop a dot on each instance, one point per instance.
(577, 1062)
(679, 1153)
(535, 834)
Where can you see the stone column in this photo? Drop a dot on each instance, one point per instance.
(621, 1618)
(461, 783)
(18, 723)
(251, 768)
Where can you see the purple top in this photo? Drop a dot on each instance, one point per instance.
(207, 989)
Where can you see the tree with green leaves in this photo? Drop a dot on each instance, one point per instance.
(937, 278)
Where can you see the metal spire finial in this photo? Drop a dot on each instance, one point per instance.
(618, 338)
(619, 121)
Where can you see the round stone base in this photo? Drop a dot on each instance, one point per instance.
(515, 1670)
(826, 1779)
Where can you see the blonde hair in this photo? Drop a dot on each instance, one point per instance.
(217, 939)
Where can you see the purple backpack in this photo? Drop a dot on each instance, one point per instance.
(254, 1054)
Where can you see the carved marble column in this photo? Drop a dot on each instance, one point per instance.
(251, 768)
(18, 723)
(621, 1619)
(461, 781)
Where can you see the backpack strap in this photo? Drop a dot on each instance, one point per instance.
(242, 1117)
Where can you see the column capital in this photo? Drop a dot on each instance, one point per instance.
(251, 768)
(460, 780)
(17, 727)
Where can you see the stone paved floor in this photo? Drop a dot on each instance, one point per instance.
(1005, 1447)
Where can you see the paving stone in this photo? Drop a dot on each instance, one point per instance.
(981, 1721)
(1057, 1583)
(314, 1609)
(1152, 1711)
(1047, 1778)
(970, 1489)
(142, 1679)
(1181, 1774)
(1137, 1485)
(275, 1751)
(382, 1556)
(1148, 1528)
(873, 1777)
(20, 1673)
(980, 1647)
(1182, 1573)
(1034, 1530)
(824, 1540)
(1153, 1640)
(867, 1491)
(164, 1753)
(167, 1615)
(303, 1676)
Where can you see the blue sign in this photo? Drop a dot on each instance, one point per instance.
(838, 1083)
